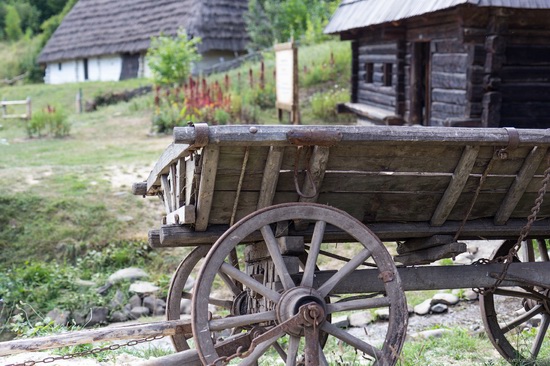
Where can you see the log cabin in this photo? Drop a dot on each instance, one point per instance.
(448, 62)
(106, 40)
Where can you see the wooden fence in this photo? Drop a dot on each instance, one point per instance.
(4, 107)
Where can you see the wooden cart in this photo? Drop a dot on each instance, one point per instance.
(289, 225)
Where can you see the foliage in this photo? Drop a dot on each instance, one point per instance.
(323, 105)
(272, 21)
(171, 58)
(52, 118)
(13, 24)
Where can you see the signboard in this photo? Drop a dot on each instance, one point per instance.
(286, 80)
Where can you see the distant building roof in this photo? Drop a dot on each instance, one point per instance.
(102, 27)
(352, 14)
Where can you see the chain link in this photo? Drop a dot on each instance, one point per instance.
(524, 233)
(112, 347)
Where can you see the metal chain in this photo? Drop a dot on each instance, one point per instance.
(524, 233)
(112, 347)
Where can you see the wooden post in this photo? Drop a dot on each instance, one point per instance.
(286, 80)
(4, 108)
(29, 109)
(78, 101)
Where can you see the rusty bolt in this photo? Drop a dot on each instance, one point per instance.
(386, 276)
(253, 129)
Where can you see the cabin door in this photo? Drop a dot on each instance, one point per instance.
(130, 66)
(420, 84)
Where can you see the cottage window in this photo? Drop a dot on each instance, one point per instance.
(59, 66)
(85, 69)
(388, 74)
(369, 72)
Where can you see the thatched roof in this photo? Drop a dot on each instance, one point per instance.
(104, 27)
(353, 14)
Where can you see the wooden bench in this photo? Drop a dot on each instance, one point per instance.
(27, 102)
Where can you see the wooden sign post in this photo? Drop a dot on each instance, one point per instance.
(286, 81)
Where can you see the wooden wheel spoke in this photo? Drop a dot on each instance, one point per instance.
(229, 283)
(316, 240)
(543, 251)
(343, 272)
(241, 320)
(372, 303)
(543, 328)
(322, 358)
(218, 302)
(352, 341)
(249, 282)
(522, 319)
(258, 352)
(292, 351)
(519, 294)
(276, 257)
(280, 351)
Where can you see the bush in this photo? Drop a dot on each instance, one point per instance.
(52, 118)
(323, 105)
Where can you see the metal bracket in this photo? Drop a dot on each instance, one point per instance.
(513, 143)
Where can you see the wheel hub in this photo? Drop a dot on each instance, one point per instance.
(291, 301)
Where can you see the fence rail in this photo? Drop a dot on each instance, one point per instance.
(4, 107)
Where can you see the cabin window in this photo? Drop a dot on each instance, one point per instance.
(59, 66)
(388, 74)
(369, 72)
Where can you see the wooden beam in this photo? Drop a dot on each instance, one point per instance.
(180, 182)
(271, 176)
(516, 191)
(135, 331)
(317, 167)
(181, 216)
(458, 181)
(210, 156)
(436, 277)
(190, 183)
(167, 193)
(183, 236)
(168, 157)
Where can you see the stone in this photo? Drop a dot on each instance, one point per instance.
(445, 298)
(119, 316)
(410, 309)
(134, 301)
(59, 317)
(96, 315)
(185, 306)
(140, 311)
(464, 258)
(189, 283)
(341, 322)
(160, 302)
(423, 308)
(117, 301)
(432, 333)
(470, 295)
(150, 302)
(473, 249)
(84, 283)
(159, 310)
(125, 218)
(360, 319)
(439, 308)
(142, 287)
(535, 321)
(128, 274)
(104, 289)
(382, 314)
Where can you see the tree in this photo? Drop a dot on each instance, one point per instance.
(13, 24)
(30, 17)
(171, 58)
(2, 20)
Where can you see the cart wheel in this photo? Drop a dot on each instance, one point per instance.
(517, 318)
(293, 296)
(176, 292)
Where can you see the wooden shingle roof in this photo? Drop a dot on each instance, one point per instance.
(104, 27)
(353, 14)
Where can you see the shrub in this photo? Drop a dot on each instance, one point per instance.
(52, 118)
(323, 105)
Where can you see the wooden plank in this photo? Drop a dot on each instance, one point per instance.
(205, 195)
(460, 177)
(527, 55)
(270, 176)
(172, 179)
(182, 236)
(449, 96)
(446, 80)
(317, 168)
(135, 331)
(189, 181)
(166, 193)
(520, 184)
(180, 183)
(450, 62)
(168, 157)
(276, 135)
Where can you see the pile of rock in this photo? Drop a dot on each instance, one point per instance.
(142, 301)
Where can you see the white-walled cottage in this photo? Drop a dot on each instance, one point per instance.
(106, 40)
